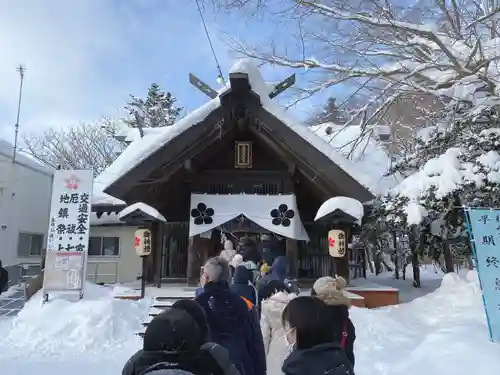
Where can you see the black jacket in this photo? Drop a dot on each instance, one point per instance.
(340, 320)
(319, 360)
(234, 327)
(208, 361)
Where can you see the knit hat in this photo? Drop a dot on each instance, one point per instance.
(228, 245)
(265, 268)
(196, 312)
(173, 330)
(330, 290)
(237, 260)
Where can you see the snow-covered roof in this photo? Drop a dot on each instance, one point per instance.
(362, 149)
(141, 148)
(7, 149)
(143, 207)
(348, 205)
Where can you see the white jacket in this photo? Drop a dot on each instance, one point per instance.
(273, 332)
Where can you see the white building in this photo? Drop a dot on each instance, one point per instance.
(25, 192)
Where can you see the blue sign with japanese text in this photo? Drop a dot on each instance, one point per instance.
(484, 232)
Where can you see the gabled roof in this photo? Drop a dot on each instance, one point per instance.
(315, 149)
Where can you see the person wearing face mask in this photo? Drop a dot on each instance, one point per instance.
(307, 325)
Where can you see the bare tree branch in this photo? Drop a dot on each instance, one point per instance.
(81, 146)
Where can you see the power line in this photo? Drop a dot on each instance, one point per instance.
(21, 71)
(210, 42)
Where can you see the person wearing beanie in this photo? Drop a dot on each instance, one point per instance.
(228, 253)
(242, 286)
(174, 341)
(331, 291)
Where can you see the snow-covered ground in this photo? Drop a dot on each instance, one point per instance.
(442, 333)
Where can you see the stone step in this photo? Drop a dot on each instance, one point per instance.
(159, 304)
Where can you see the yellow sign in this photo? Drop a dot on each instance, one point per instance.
(142, 242)
(337, 243)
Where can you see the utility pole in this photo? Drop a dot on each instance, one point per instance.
(21, 71)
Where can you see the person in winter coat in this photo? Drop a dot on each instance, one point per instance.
(242, 286)
(272, 330)
(174, 342)
(231, 323)
(268, 248)
(4, 278)
(312, 351)
(330, 291)
(249, 251)
(274, 280)
(228, 253)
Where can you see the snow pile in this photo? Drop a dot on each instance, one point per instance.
(361, 147)
(348, 205)
(97, 323)
(143, 207)
(442, 333)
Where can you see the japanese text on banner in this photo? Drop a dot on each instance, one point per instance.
(485, 228)
(70, 211)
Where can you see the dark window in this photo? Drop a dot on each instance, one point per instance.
(29, 244)
(104, 246)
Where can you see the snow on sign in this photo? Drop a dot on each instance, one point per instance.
(336, 243)
(484, 233)
(68, 237)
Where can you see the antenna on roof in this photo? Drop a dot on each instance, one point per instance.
(21, 71)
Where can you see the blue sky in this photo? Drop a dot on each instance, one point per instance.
(84, 57)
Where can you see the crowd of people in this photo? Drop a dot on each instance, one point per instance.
(247, 319)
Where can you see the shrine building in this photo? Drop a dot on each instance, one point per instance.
(237, 166)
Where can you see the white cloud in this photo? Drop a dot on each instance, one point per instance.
(59, 42)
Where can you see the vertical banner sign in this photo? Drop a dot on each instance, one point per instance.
(68, 237)
(484, 233)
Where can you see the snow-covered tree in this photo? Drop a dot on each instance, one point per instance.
(330, 112)
(81, 146)
(157, 110)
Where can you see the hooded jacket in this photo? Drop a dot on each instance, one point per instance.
(275, 280)
(242, 284)
(234, 327)
(319, 360)
(273, 333)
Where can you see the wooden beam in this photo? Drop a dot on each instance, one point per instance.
(202, 86)
(286, 154)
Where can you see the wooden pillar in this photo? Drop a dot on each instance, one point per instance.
(292, 253)
(158, 251)
(197, 256)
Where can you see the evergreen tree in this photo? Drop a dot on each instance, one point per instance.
(457, 165)
(330, 112)
(157, 110)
